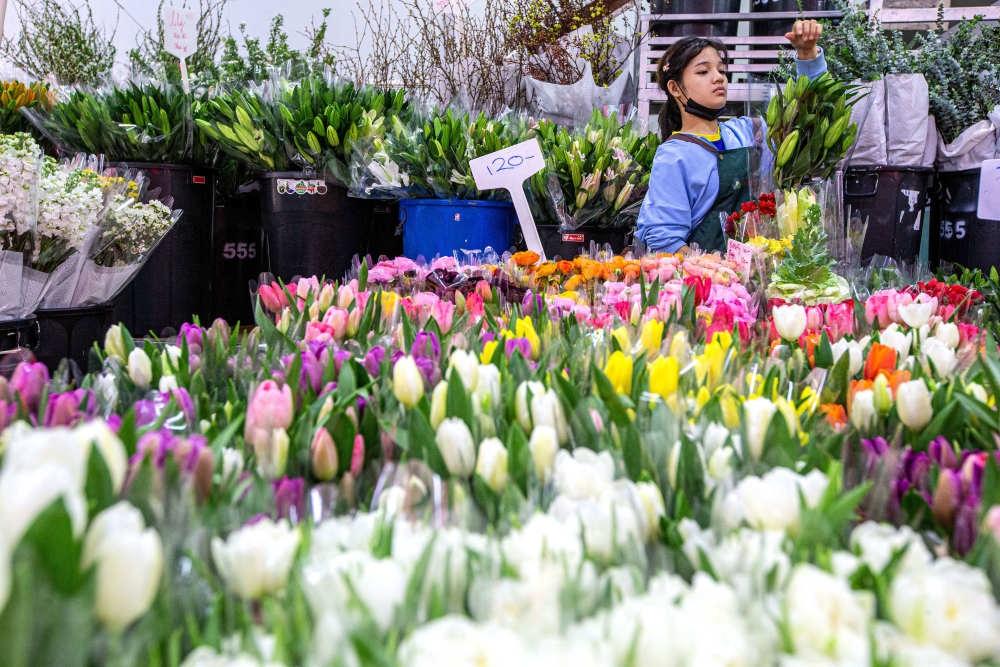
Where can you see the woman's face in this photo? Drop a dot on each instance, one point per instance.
(705, 80)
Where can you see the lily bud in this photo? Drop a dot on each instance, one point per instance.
(324, 455)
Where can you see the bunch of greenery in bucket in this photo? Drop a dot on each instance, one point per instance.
(809, 130)
(806, 275)
(596, 175)
(14, 96)
(315, 124)
(434, 152)
(135, 122)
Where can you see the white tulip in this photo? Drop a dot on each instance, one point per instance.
(232, 464)
(454, 440)
(789, 321)
(407, 381)
(583, 474)
(720, 464)
(978, 392)
(897, 340)
(913, 403)
(129, 560)
(543, 445)
(652, 503)
(466, 364)
(757, 414)
(140, 370)
(942, 356)
(772, 502)
(827, 618)
(947, 333)
(167, 383)
(439, 404)
(855, 352)
(98, 433)
(24, 494)
(547, 410)
(255, 560)
(272, 455)
(522, 407)
(492, 464)
(486, 395)
(863, 410)
(918, 313)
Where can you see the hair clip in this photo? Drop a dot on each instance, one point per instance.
(666, 67)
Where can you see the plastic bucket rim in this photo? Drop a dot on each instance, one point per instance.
(478, 203)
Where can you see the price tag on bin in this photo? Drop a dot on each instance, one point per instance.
(180, 37)
(509, 168)
(989, 190)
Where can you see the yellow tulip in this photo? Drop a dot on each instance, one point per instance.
(730, 410)
(679, 347)
(525, 329)
(704, 396)
(389, 302)
(663, 376)
(652, 337)
(489, 348)
(708, 365)
(723, 339)
(788, 411)
(619, 372)
(621, 335)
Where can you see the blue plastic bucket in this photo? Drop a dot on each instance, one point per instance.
(434, 227)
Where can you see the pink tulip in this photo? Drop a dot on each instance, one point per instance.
(814, 318)
(346, 295)
(337, 318)
(323, 453)
(474, 304)
(483, 289)
(28, 381)
(357, 455)
(320, 331)
(581, 312)
(270, 408)
(307, 286)
(840, 320)
(443, 313)
(273, 297)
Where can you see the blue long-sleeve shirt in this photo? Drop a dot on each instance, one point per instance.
(684, 181)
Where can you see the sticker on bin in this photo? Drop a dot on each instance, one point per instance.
(572, 238)
(198, 180)
(989, 190)
(508, 168)
(286, 186)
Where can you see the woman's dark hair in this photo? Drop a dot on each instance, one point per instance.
(671, 67)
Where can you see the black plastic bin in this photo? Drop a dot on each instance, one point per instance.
(237, 256)
(20, 333)
(706, 29)
(571, 244)
(893, 200)
(383, 228)
(770, 28)
(175, 283)
(310, 228)
(958, 234)
(70, 333)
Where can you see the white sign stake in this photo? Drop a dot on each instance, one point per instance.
(989, 190)
(181, 38)
(509, 168)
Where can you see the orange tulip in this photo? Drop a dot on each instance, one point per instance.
(881, 357)
(895, 378)
(836, 415)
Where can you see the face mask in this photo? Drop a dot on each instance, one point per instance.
(701, 111)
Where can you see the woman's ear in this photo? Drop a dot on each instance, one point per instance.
(673, 88)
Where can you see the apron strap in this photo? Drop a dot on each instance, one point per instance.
(694, 140)
(758, 131)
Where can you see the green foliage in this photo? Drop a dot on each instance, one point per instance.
(808, 261)
(150, 57)
(256, 62)
(61, 40)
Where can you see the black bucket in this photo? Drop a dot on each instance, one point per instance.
(779, 28)
(175, 283)
(700, 29)
(383, 228)
(70, 333)
(893, 200)
(237, 255)
(570, 245)
(19, 334)
(958, 234)
(310, 228)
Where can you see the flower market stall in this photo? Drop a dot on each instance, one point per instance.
(782, 451)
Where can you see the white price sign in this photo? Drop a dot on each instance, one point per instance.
(509, 168)
(180, 37)
(989, 190)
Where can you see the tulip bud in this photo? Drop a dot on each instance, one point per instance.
(863, 410)
(256, 559)
(543, 445)
(913, 403)
(720, 465)
(486, 395)
(492, 464)
(881, 395)
(454, 440)
(284, 321)
(941, 451)
(357, 455)
(679, 348)
(521, 406)
(651, 337)
(947, 333)
(439, 404)
(946, 497)
(895, 339)
(789, 321)
(28, 382)
(140, 370)
(619, 372)
(114, 344)
(325, 298)
(232, 465)
(353, 322)
(467, 366)
(324, 455)
(5, 394)
(942, 356)
(546, 410)
(407, 381)
(652, 504)
(673, 463)
(757, 414)
(272, 454)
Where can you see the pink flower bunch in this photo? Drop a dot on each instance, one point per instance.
(662, 268)
(835, 319)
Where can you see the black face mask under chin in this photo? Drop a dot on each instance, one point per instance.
(701, 111)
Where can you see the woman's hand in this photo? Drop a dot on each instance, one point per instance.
(803, 37)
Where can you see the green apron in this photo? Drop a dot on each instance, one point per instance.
(734, 189)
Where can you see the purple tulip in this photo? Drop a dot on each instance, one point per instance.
(947, 497)
(426, 345)
(531, 302)
(873, 451)
(194, 336)
(146, 412)
(522, 345)
(916, 467)
(943, 453)
(289, 498)
(28, 382)
(966, 525)
(114, 422)
(373, 360)
(7, 412)
(339, 358)
(64, 409)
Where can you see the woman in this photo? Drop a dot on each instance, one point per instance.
(701, 168)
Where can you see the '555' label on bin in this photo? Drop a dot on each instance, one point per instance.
(291, 186)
